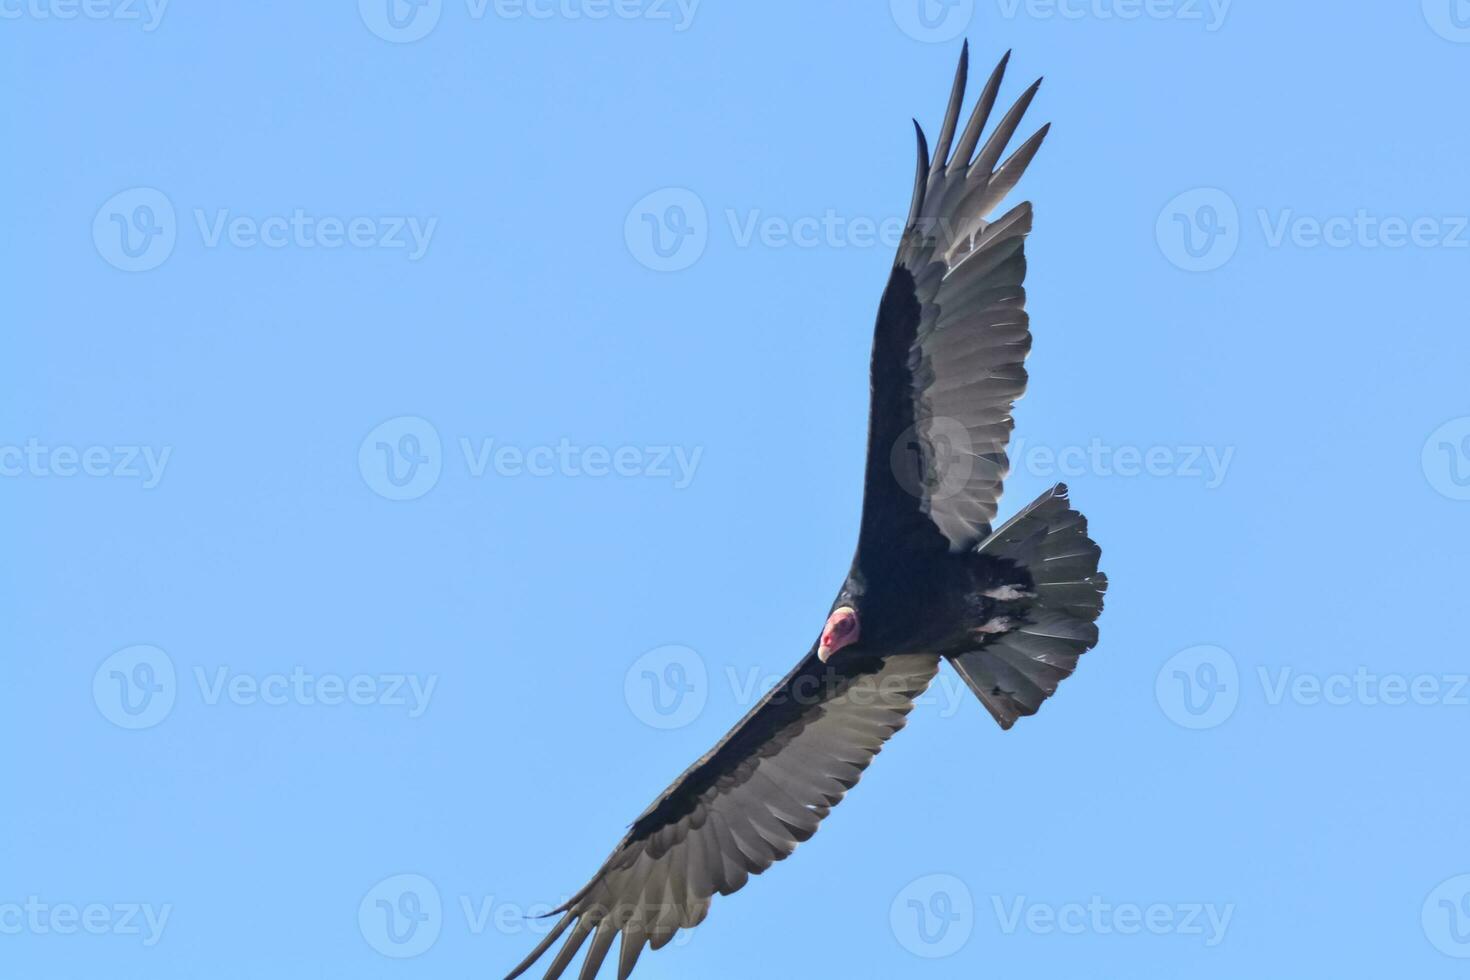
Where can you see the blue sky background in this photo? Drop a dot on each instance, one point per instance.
(209, 703)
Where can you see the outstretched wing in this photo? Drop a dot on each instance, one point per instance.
(743, 806)
(951, 337)
(947, 355)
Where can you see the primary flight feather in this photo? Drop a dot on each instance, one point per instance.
(1011, 608)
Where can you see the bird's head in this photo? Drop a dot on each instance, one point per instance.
(842, 629)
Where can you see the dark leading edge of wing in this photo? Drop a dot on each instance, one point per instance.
(743, 806)
(951, 339)
(949, 342)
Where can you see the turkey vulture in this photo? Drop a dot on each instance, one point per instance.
(1011, 607)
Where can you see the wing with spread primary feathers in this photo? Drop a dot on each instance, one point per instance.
(951, 339)
(742, 807)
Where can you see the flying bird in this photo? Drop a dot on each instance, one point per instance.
(1010, 607)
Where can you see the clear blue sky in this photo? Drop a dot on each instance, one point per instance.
(256, 253)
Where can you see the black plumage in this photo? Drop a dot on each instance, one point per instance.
(1011, 608)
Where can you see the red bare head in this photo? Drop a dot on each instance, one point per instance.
(841, 630)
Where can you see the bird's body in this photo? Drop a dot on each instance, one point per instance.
(1011, 607)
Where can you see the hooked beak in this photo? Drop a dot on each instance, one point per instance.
(840, 630)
